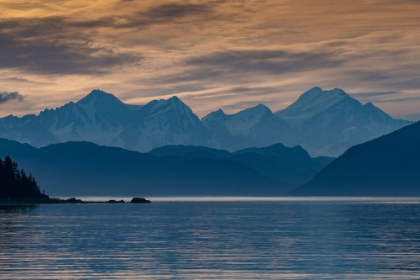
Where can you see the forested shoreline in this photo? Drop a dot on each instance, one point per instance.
(15, 183)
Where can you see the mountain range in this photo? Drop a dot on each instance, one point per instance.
(323, 122)
(83, 168)
(386, 166)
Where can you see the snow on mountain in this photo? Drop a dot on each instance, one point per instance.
(324, 122)
(160, 123)
(242, 122)
(331, 121)
(310, 103)
(252, 127)
(103, 119)
(99, 117)
(28, 129)
(221, 136)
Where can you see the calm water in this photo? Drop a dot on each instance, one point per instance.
(225, 239)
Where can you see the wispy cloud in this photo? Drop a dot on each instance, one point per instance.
(373, 94)
(406, 99)
(213, 53)
(170, 11)
(274, 62)
(9, 96)
(47, 46)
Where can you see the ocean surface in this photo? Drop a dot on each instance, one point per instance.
(214, 238)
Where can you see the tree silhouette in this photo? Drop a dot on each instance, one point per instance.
(14, 183)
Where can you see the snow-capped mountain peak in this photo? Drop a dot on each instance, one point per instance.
(318, 94)
(311, 103)
(324, 122)
(254, 112)
(99, 96)
(171, 104)
(218, 115)
(163, 122)
(331, 121)
(241, 122)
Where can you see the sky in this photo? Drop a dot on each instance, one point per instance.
(211, 54)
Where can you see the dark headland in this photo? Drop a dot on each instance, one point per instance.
(17, 188)
(47, 200)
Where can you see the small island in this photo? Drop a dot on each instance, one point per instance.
(140, 200)
(16, 187)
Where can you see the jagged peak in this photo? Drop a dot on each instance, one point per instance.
(98, 95)
(312, 102)
(176, 102)
(11, 116)
(215, 115)
(373, 109)
(369, 105)
(318, 93)
(173, 103)
(315, 89)
(219, 112)
(260, 108)
(171, 100)
(174, 99)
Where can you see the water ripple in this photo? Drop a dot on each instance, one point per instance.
(238, 239)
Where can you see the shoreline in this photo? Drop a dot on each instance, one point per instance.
(38, 201)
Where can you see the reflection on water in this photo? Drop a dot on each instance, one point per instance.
(303, 239)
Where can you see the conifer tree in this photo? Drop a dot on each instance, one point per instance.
(14, 183)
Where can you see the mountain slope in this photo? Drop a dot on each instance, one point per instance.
(103, 119)
(98, 117)
(189, 152)
(291, 164)
(81, 168)
(322, 122)
(330, 122)
(311, 103)
(252, 127)
(386, 166)
(281, 163)
(161, 123)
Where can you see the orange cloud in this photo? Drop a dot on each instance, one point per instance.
(212, 54)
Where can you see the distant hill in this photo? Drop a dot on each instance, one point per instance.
(189, 152)
(386, 166)
(82, 168)
(323, 122)
(293, 165)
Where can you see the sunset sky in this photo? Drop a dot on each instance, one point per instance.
(211, 54)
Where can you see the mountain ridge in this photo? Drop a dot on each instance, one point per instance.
(333, 121)
(323, 122)
(386, 166)
(84, 168)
